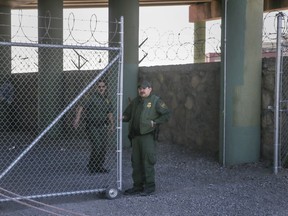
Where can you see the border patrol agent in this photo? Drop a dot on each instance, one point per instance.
(144, 114)
(99, 121)
(6, 99)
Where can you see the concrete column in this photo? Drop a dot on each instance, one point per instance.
(50, 31)
(129, 9)
(5, 36)
(241, 95)
(199, 41)
(5, 65)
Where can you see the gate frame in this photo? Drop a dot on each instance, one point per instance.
(278, 69)
(110, 193)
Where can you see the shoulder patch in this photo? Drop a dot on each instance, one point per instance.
(163, 105)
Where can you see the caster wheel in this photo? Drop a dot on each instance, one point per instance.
(111, 193)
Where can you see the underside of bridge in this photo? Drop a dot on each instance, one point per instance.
(199, 10)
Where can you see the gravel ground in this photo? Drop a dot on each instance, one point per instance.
(188, 183)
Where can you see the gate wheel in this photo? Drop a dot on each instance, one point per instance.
(111, 193)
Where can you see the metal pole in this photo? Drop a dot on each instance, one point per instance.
(120, 103)
(224, 84)
(277, 93)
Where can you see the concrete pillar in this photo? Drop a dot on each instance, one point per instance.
(5, 65)
(5, 36)
(129, 9)
(199, 41)
(241, 95)
(50, 31)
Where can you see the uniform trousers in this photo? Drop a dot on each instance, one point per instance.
(98, 139)
(4, 116)
(143, 160)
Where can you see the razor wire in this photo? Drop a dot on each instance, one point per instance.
(179, 46)
(156, 47)
(172, 47)
(42, 86)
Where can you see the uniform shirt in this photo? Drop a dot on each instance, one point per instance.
(137, 117)
(140, 112)
(6, 92)
(97, 108)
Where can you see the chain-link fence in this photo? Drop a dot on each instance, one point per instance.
(59, 129)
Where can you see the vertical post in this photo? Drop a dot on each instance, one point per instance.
(120, 92)
(241, 90)
(50, 63)
(199, 41)
(277, 93)
(224, 85)
(5, 63)
(129, 9)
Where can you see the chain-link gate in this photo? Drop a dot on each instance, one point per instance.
(281, 97)
(43, 151)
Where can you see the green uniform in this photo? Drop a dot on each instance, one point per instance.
(97, 108)
(6, 99)
(140, 113)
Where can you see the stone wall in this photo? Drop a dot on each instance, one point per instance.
(267, 117)
(192, 93)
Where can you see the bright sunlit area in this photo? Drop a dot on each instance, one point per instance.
(165, 34)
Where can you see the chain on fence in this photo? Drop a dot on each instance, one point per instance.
(44, 151)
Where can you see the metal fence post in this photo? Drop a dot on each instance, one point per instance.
(277, 93)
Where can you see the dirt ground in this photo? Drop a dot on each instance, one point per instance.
(188, 183)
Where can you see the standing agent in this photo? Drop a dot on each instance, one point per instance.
(6, 99)
(99, 122)
(144, 113)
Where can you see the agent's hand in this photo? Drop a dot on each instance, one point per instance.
(111, 129)
(76, 124)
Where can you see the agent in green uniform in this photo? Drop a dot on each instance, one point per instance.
(99, 121)
(144, 114)
(6, 99)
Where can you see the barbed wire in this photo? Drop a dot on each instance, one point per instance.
(180, 46)
(75, 31)
(156, 46)
(269, 33)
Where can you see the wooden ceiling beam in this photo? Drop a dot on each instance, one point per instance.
(212, 10)
(272, 5)
(32, 4)
(199, 10)
(205, 11)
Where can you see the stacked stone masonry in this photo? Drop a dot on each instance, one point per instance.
(192, 92)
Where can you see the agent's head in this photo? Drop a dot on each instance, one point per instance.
(101, 87)
(144, 88)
